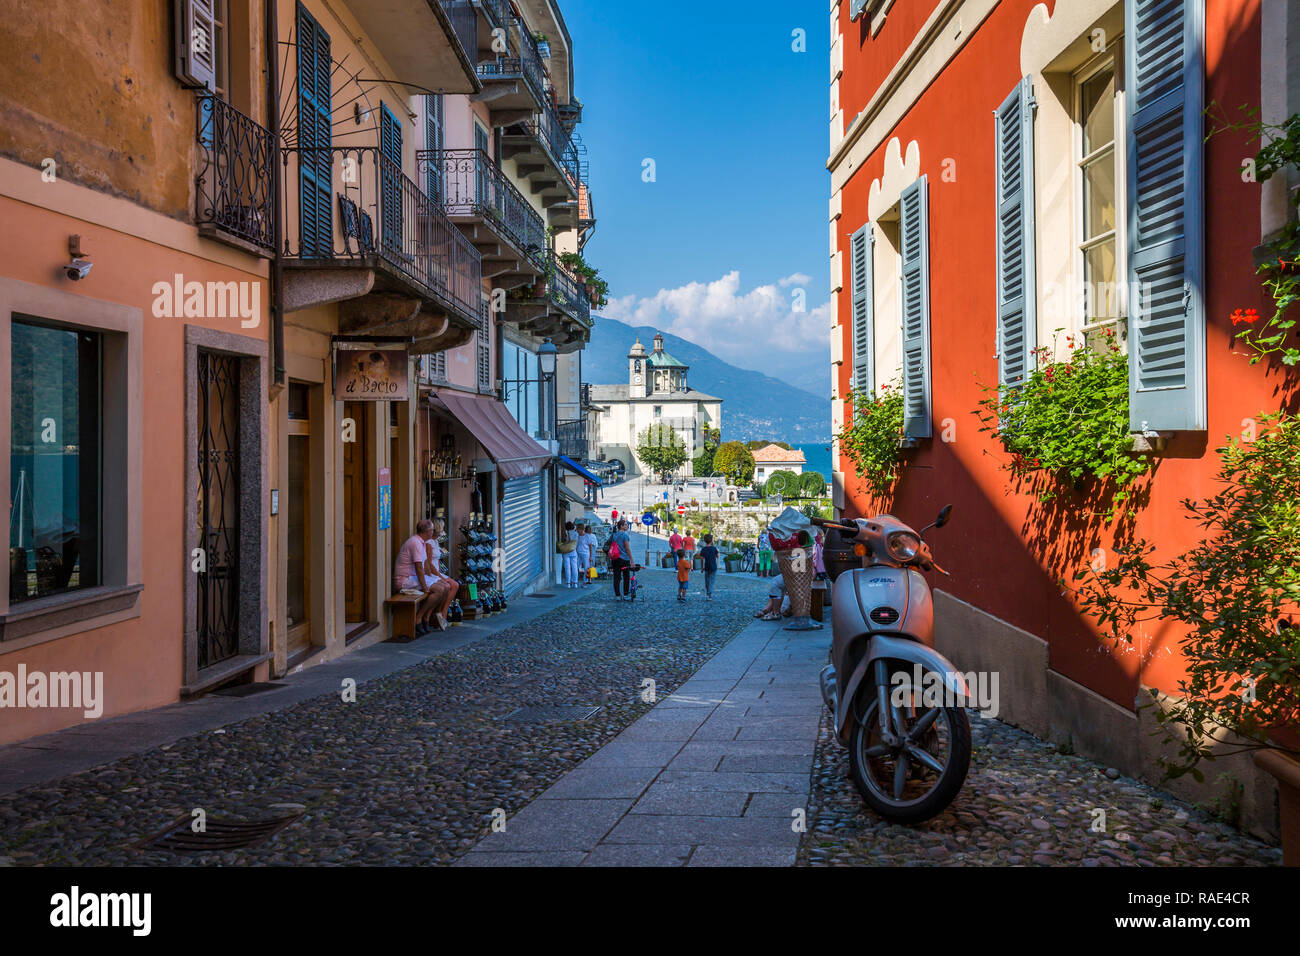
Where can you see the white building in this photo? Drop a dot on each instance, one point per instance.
(656, 393)
(772, 458)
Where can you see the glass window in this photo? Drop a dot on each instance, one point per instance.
(1099, 194)
(54, 461)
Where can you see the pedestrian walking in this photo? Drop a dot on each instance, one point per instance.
(764, 554)
(683, 574)
(676, 542)
(584, 557)
(620, 559)
(709, 564)
(569, 551)
(819, 558)
(688, 545)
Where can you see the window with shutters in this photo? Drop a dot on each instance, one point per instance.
(1099, 195)
(315, 137)
(203, 45)
(862, 271)
(433, 138)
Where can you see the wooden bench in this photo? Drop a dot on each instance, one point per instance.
(405, 609)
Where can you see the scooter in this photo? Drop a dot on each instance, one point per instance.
(898, 705)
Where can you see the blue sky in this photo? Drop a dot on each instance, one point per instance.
(736, 123)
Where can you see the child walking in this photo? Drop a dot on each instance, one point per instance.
(683, 573)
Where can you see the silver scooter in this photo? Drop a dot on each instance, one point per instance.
(898, 704)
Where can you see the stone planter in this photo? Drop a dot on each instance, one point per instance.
(1287, 773)
(732, 564)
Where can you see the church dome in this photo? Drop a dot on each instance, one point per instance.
(638, 350)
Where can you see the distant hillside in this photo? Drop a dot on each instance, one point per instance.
(754, 405)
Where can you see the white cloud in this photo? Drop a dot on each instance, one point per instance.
(749, 329)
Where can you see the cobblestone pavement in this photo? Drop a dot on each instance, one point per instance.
(1024, 803)
(412, 771)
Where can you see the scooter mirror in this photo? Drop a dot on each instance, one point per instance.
(943, 516)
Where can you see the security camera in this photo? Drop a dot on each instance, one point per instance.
(78, 269)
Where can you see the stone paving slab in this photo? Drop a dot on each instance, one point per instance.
(709, 777)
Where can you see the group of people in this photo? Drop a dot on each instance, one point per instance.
(686, 563)
(419, 570)
(582, 558)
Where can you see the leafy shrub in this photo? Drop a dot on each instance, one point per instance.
(871, 440)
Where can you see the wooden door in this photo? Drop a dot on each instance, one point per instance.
(355, 513)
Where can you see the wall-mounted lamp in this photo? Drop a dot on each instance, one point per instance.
(546, 356)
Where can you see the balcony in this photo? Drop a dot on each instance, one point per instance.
(509, 234)
(573, 441)
(236, 203)
(514, 83)
(430, 43)
(556, 307)
(546, 157)
(380, 246)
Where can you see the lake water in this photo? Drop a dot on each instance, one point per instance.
(819, 458)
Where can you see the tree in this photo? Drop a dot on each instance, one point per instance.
(712, 438)
(783, 482)
(661, 449)
(735, 461)
(812, 484)
(702, 464)
(756, 445)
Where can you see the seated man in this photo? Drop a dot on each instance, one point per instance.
(442, 587)
(409, 574)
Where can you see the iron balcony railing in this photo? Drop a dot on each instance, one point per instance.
(527, 65)
(377, 215)
(464, 23)
(572, 437)
(473, 185)
(565, 291)
(498, 12)
(235, 181)
(548, 129)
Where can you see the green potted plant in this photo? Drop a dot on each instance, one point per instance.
(732, 561)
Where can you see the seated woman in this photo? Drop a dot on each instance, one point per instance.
(442, 587)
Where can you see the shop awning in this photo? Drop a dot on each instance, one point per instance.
(573, 495)
(515, 453)
(577, 469)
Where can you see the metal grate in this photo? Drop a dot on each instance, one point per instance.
(218, 834)
(543, 594)
(248, 690)
(546, 713)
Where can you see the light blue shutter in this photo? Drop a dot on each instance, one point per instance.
(1165, 90)
(390, 148)
(915, 241)
(1017, 318)
(864, 309)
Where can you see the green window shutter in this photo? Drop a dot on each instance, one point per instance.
(1165, 85)
(864, 349)
(1014, 161)
(914, 230)
(316, 165)
(433, 120)
(390, 147)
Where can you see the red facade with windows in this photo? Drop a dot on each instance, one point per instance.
(1006, 551)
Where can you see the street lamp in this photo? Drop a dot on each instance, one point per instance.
(546, 355)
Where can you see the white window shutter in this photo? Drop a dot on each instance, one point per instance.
(864, 348)
(914, 234)
(1165, 92)
(1014, 163)
(196, 43)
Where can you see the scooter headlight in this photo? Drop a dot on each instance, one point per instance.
(903, 547)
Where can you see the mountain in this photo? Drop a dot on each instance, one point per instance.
(754, 405)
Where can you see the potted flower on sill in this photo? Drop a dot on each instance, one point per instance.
(543, 45)
(1234, 598)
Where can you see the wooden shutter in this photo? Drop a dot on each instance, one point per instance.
(315, 137)
(915, 285)
(1164, 90)
(390, 146)
(196, 43)
(861, 249)
(433, 122)
(1014, 162)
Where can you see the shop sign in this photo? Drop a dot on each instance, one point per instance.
(365, 373)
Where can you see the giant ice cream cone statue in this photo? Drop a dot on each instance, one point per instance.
(794, 556)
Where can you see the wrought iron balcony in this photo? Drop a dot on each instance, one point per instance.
(464, 23)
(378, 219)
(497, 11)
(526, 66)
(474, 189)
(573, 441)
(566, 292)
(234, 182)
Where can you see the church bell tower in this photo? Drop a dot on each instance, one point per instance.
(638, 372)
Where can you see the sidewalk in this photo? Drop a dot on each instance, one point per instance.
(75, 749)
(712, 776)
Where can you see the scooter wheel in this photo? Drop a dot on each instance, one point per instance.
(926, 793)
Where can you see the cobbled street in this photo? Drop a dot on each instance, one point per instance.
(411, 773)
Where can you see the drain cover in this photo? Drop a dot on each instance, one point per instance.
(544, 713)
(247, 690)
(218, 834)
(539, 595)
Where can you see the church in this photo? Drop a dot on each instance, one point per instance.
(657, 392)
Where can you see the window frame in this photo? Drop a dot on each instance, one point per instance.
(1080, 244)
